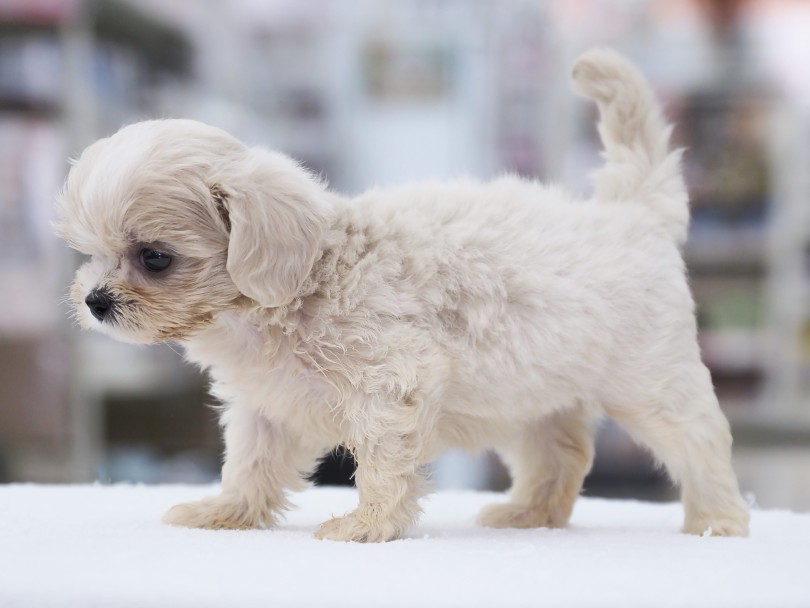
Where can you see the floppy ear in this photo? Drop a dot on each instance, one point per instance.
(277, 214)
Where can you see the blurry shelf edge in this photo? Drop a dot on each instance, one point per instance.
(760, 430)
(727, 250)
(734, 350)
(163, 46)
(151, 368)
(28, 107)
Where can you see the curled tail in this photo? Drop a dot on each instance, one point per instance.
(639, 165)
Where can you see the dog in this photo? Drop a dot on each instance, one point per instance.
(506, 315)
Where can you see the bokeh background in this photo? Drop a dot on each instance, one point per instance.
(375, 92)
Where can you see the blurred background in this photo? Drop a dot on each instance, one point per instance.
(376, 92)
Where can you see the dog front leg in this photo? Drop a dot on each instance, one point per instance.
(389, 483)
(262, 462)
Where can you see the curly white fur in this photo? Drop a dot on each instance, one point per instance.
(409, 319)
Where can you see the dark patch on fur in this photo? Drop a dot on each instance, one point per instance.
(220, 198)
(197, 323)
(409, 399)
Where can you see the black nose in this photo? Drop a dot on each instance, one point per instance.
(100, 303)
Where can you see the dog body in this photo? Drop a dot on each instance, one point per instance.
(494, 315)
(410, 319)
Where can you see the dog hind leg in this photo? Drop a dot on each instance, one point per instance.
(548, 460)
(690, 436)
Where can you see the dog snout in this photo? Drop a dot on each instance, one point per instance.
(100, 303)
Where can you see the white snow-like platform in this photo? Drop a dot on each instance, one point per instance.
(105, 546)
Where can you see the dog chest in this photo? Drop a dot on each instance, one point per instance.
(257, 367)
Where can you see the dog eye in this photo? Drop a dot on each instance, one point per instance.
(154, 261)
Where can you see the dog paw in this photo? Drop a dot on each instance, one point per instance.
(717, 526)
(355, 528)
(729, 519)
(214, 513)
(510, 515)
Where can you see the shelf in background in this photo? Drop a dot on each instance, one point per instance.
(734, 350)
(728, 250)
(762, 430)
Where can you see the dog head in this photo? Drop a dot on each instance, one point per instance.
(182, 221)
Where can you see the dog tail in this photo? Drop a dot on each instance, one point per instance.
(639, 163)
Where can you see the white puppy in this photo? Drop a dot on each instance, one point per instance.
(409, 319)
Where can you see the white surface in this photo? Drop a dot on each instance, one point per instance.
(105, 546)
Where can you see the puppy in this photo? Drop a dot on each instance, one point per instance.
(502, 315)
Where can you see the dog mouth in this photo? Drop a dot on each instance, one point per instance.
(132, 317)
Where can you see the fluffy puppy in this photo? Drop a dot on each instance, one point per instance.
(409, 319)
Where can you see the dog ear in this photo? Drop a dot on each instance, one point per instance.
(276, 214)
